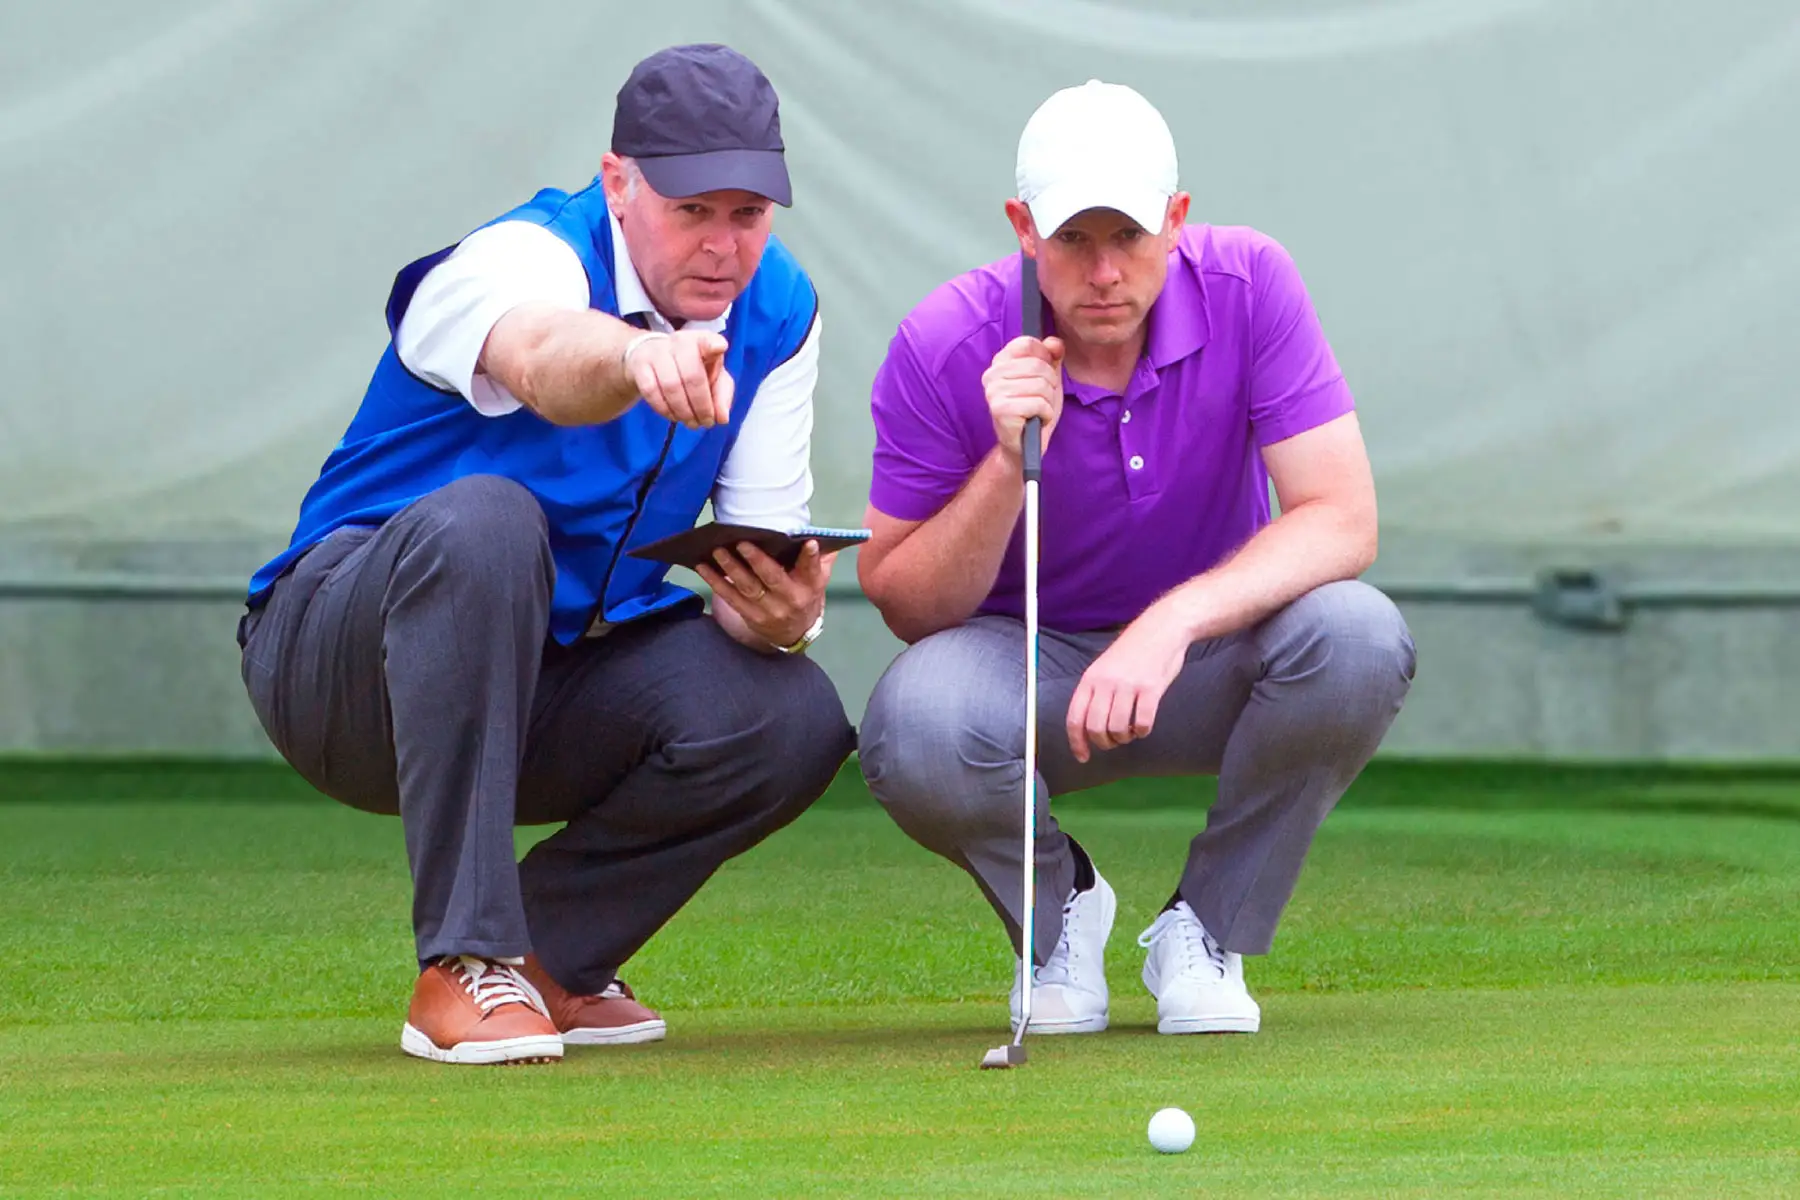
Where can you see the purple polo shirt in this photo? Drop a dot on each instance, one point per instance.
(1141, 492)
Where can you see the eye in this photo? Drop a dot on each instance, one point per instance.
(691, 209)
(1128, 236)
(751, 212)
(1070, 237)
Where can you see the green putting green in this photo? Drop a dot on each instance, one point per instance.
(1511, 981)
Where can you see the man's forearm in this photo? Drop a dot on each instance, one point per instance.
(566, 366)
(1305, 548)
(947, 566)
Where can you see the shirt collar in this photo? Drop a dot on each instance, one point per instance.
(633, 299)
(1179, 323)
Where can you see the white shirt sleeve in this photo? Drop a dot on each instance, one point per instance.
(766, 480)
(459, 301)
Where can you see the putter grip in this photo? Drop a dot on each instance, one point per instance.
(1031, 324)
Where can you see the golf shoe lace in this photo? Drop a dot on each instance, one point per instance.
(1193, 945)
(493, 984)
(1056, 968)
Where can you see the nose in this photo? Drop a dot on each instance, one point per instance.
(1107, 269)
(720, 241)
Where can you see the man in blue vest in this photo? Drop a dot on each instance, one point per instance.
(456, 632)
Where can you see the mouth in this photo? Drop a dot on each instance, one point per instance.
(1104, 310)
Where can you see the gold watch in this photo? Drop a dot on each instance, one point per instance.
(807, 638)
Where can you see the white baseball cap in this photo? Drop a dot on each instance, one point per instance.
(1100, 145)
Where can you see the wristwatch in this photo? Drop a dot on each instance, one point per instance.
(807, 638)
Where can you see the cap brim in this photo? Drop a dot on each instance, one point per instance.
(1052, 208)
(761, 171)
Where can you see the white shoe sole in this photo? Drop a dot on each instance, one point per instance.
(619, 1035)
(504, 1050)
(1209, 1024)
(1072, 1025)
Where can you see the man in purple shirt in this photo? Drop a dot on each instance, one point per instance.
(1184, 631)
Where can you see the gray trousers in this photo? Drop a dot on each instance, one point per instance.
(407, 669)
(1285, 714)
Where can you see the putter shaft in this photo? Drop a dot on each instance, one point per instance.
(1028, 917)
(1032, 454)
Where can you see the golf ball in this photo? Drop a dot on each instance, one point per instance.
(1171, 1131)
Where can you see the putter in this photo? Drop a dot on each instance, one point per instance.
(1013, 1053)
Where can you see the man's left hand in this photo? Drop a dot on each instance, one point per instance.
(777, 606)
(1116, 700)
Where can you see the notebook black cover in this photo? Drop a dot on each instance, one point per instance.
(694, 546)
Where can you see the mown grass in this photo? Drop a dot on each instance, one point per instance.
(1505, 980)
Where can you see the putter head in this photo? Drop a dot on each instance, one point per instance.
(1002, 1058)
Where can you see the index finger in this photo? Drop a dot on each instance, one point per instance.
(720, 387)
(1026, 347)
(1076, 722)
(690, 360)
(724, 391)
(712, 349)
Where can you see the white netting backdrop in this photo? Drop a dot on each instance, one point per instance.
(1556, 245)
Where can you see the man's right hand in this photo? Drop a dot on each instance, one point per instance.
(683, 377)
(1024, 381)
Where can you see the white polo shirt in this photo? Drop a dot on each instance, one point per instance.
(766, 480)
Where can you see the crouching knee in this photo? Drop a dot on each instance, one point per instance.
(807, 736)
(1346, 638)
(764, 748)
(939, 755)
(491, 532)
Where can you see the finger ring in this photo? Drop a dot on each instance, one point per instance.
(759, 595)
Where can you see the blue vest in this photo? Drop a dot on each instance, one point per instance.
(604, 488)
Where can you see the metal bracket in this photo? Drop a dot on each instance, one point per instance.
(1578, 598)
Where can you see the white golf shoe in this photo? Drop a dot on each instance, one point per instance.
(1068, 993)
(1198, 985)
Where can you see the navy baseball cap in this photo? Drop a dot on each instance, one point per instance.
(702, 118)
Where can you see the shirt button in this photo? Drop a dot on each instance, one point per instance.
(1137, 462)
(1126, 418)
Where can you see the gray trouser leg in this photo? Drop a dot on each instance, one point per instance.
(943, 746)
(669, 749)
(1331, 672)
(1286, 714)
(406, 670)
(395, 669)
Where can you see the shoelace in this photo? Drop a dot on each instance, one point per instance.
(1193, 942)
(1056, 968)
(493, 984)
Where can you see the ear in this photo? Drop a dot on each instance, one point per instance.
(1023, 227)
(612, 181)
(1177, 215)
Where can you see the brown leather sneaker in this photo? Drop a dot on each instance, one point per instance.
(476, 1010)
(612, 1018)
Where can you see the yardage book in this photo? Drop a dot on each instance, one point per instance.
(694, 546)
